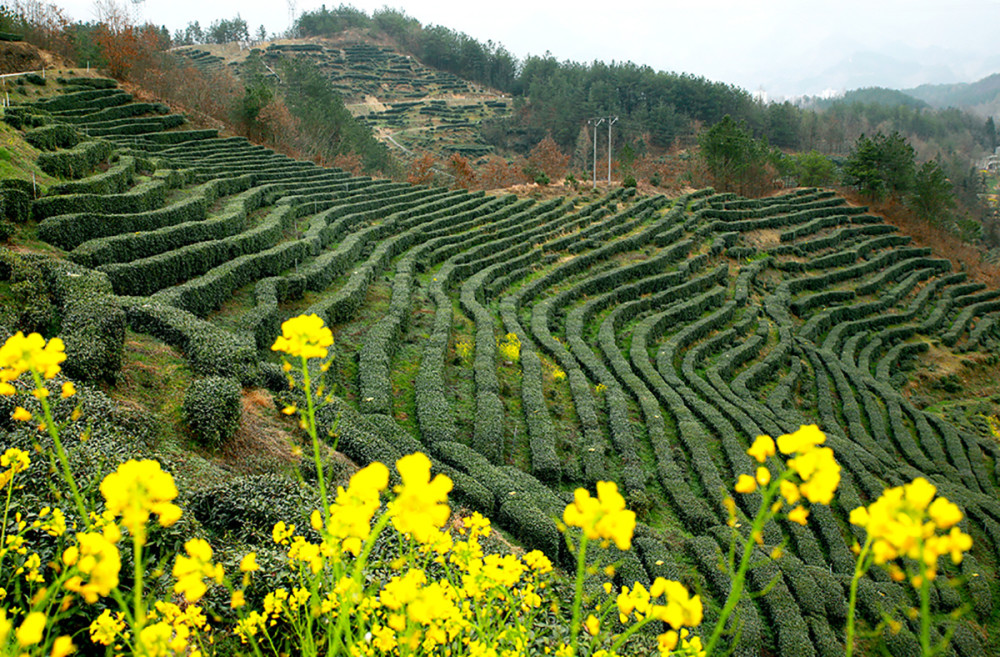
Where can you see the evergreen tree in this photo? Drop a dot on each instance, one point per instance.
(932, 192)
(881, 166)
(735, 161)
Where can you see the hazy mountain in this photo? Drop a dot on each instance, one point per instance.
(900, 67)
(982, 96)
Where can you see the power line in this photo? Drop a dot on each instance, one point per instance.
(596, 121)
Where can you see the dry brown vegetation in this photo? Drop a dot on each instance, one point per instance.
(964, 256)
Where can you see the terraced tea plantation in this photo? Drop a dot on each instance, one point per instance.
(423, 110)
(532, 347)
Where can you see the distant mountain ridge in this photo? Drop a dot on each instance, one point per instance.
(982, 96)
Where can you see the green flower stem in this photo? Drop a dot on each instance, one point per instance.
(343, 619)
(310, 419)
(6, 513)
(925, 612)
(581, 566)
(139, 609)
(67, 474)
(764, 514)
(860, 568)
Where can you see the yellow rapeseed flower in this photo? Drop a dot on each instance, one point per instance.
(349, 517)
(762, 448)
(20, 354)
(31, 629)
(21, 414)
(789, 491)
(421, 504)
(137, 489)
(799, 515)
(820, 474)
(803, 440)
(304, 336)
(745, 484)
(603, 517)
(944, 513)
(106, 627)
(63, 646)
(97, 563)
(192, 569)
(15, 459)
(905, 522)
(248, 563)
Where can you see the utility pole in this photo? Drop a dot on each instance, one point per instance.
(595, 122)
(611, 122)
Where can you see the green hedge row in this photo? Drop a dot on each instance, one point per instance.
(15, 199)
(523, 507)
(375, 357)
(147, 275)
(230, 220)
(93, 321)
(488, 429)
(119, 112)
(25, 116)
(961, 322)
(177, 136)
(545, 462)
(71, 231)
(209, 291)
(380, 341)
(115, 180)
(781, 205)
(141, 198)
(342, 305)
(91, 83)
(52, 137)
(212, 408)
(781, 220)
(133, 126)
(247, 507)
(75, 162)
(690, 431)
(83, 100)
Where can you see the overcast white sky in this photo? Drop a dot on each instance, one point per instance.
(771, 44)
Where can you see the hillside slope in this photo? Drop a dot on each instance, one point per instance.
(982, 96)
(657, 337)
(413, 108)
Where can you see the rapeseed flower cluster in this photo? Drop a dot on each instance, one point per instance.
(510, 348)
(908, 521)
(304, 337)
(20, 354)
(603, 517)
(815, 468)
(908, 531)
(811, 474)
(421, 505)
(138, 489)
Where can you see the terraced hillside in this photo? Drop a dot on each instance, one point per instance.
(414, 108)
(657, 338)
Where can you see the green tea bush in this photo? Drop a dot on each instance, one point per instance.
(212, 407)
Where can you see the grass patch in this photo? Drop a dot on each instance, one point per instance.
(154, 378)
